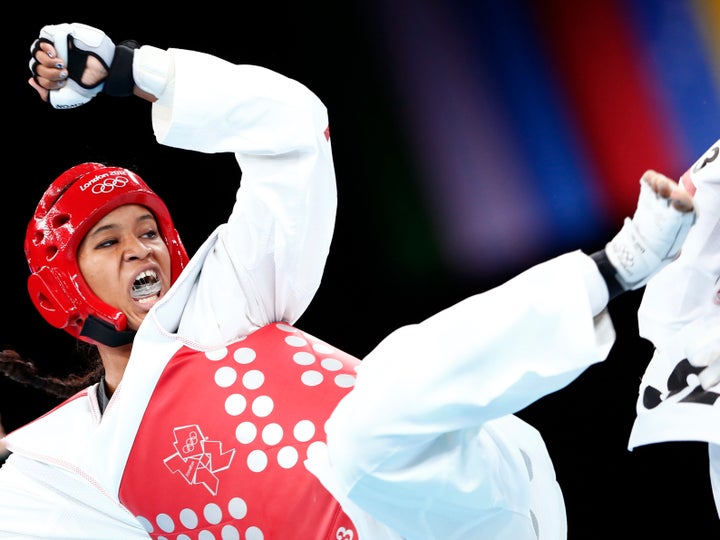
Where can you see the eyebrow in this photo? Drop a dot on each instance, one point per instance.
(110, 226)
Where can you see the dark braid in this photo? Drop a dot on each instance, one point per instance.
(23, 371)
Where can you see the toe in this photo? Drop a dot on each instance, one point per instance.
(681, 199)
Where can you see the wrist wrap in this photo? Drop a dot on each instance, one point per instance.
(609, 274)
(120, 81)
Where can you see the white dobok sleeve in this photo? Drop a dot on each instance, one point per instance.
(267, 259)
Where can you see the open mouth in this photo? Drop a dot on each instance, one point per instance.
(146, 285)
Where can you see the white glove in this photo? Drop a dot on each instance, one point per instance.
(74, 42)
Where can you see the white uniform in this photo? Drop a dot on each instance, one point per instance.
(680, 315)
(218, 428)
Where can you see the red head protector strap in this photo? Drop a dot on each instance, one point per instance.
(70, 207)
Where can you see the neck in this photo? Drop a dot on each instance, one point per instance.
(114, 361)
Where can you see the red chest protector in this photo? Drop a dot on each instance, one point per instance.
(220, 449)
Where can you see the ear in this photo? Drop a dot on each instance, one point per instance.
(50, 297)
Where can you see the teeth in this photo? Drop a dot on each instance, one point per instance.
(146, 284)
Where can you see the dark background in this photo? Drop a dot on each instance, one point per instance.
(661, 491)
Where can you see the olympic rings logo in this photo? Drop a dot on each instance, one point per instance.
(108, 184)
(190, 442)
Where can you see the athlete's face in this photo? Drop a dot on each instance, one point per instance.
(125, 261)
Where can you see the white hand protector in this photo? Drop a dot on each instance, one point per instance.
(703, 350)
(650, 240)
(74, 42)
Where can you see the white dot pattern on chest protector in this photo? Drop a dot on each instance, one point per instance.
(264, 395)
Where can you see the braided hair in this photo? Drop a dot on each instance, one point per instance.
(24, 371)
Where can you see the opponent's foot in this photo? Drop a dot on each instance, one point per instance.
(656, 232)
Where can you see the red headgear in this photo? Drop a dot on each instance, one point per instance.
(70, 207)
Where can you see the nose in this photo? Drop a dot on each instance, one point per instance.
(136, 249)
